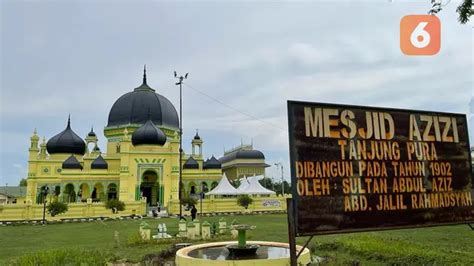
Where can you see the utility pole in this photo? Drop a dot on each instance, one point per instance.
(45, 193)
(282, 179)
(180, 83)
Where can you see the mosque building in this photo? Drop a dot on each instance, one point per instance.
(141, 157)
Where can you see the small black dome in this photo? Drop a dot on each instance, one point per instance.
(71, 163)
(92, 133)
(212, 163)
(134, 108)
(242, 154)
(191, 164)
(149, 134)
(99, 163)
(197, 137)
(66, 142)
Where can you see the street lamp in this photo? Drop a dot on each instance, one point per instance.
(44, 191)
(180, 83)
(282, 180)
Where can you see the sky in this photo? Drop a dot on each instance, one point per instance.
(78, 57)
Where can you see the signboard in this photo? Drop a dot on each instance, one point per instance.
(360, 168)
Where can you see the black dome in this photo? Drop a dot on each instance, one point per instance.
(99, 163)
(134, 107)
(212, 163)
(66, 142)
(91, 133)
(242, 154)
(191, 164)
(71, 163)
(197, 137)
(148, 133)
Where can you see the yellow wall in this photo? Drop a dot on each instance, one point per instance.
(13, 212)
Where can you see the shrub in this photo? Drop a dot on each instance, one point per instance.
(188, 201)
(115, 205)
(244, 201)
(56, 207)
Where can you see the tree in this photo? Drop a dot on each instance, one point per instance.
(56, 207)
(465, 11)
(244, 201)
(115, 204)
(23, 182)
(267, 183)
(188, 202)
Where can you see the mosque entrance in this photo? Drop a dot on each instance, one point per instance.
(149, 187)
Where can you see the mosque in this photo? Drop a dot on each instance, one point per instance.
(141, 158)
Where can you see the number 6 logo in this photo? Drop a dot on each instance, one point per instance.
(420, 35)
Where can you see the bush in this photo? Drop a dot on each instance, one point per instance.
(115, 204)
(188, 201)
(244, 201)
(56, 207)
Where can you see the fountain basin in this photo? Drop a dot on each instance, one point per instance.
(268, 253)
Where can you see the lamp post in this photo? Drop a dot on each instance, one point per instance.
(282, 180)
(180, 83)
(44, 191)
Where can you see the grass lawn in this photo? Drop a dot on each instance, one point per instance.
(445, 245)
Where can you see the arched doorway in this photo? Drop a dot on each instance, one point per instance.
(69, 194)
(204, 187)
(84, 193)
(40, 196)
(112, 191)
(192, 188)
(149, 187)
(98, 192)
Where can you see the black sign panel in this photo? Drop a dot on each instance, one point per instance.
(359, 168)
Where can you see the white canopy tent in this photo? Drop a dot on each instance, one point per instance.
(244, 184)
(255, 188)
(223, 188)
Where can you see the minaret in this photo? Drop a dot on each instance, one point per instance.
(91, 138)
(33, 150)
(43, 154)
(197, 143)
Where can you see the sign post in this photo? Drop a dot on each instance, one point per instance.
(291, 232)
(356, 168)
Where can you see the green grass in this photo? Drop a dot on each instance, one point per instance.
(445, 245)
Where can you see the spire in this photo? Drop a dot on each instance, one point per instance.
(144, 85)
(144, 74)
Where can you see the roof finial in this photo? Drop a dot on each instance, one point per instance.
(92, 128)
(69, 121)
(144, 74)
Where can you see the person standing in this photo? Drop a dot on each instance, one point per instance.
(193, 213)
